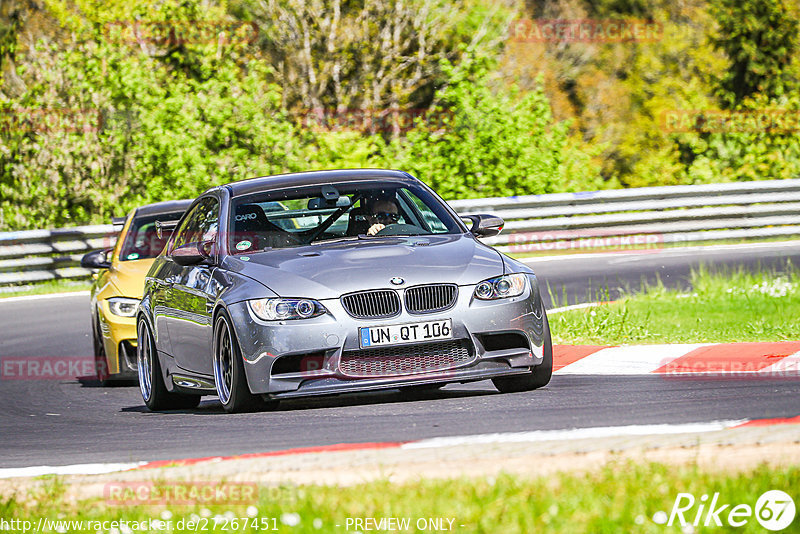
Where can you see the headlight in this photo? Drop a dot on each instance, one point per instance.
(284, 309)
(124, 307)
(510, 285)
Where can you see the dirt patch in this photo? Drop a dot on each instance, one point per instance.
(726, 450)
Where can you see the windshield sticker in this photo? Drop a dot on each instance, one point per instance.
(243, 245)
(133, 255)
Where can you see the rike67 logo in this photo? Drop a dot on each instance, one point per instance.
(774, 510)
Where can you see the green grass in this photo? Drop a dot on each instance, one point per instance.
(621, 497)
(721, 307)
(43, 288)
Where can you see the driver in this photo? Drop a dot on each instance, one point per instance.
(382, 213)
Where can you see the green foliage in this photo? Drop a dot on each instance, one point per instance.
(96, 117)
(760, 37)
(479, 142)
(130, 127)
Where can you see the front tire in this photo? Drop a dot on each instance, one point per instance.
(100, 360)
(229, 377)
(154, 392)
(540, 374)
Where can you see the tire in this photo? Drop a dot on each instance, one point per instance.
(539, 375)
(151, 384)
(100, 360)
(229, 376)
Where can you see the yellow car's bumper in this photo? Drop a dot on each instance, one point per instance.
(119, 340)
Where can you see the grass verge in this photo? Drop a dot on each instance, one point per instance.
(735, 306)
(621, 497)
(43, 288)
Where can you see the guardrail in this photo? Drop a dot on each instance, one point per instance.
(612, 219)
(39, 255)
(647, 216)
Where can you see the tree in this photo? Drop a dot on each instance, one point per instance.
(760, 39)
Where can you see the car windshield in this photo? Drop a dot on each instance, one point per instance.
(142, 239)
(301, 216)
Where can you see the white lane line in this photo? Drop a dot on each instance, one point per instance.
(45, 296)
(77, 469)
(629, 360)
(633, 255)
(575, 433)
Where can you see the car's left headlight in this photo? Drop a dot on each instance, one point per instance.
(284, 309)
(509, 285)
(122, 306)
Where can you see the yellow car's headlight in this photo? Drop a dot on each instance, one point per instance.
(122, 306)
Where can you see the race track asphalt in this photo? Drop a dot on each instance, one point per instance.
(60, 422)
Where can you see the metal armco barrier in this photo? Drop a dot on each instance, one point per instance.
(647, 216)
(597, 220)
(39, 255)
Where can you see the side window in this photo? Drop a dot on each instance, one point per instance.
(200, 225)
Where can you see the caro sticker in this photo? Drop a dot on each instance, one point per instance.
(243, 245)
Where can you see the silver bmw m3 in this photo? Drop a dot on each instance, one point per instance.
(330, 282)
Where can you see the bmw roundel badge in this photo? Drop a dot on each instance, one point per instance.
(397, 281)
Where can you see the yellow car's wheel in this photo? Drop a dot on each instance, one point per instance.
(100, 360)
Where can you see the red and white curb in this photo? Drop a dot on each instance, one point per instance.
(431, 443)
(778, 359)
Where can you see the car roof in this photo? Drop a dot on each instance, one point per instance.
(299, 179)
(168, 206)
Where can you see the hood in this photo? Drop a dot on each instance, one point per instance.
(128, 276)
(330, 270)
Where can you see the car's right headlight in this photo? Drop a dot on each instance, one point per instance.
(510, 285)
(278, 309)
(123, 306)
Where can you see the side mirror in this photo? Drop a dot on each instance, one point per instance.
(485, 225)
(96, 259)
(191, 254)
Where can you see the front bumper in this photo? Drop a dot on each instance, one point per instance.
(302, 357)
(118, 335)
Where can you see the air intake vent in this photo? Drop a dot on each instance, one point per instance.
(407, 359)
(372, 304)
(430, 299)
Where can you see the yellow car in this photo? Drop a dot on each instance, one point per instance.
(117, 287)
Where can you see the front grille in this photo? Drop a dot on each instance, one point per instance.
(372, 304)
(406, 360)
(431, 298)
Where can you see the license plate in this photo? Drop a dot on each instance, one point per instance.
(400, 334)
